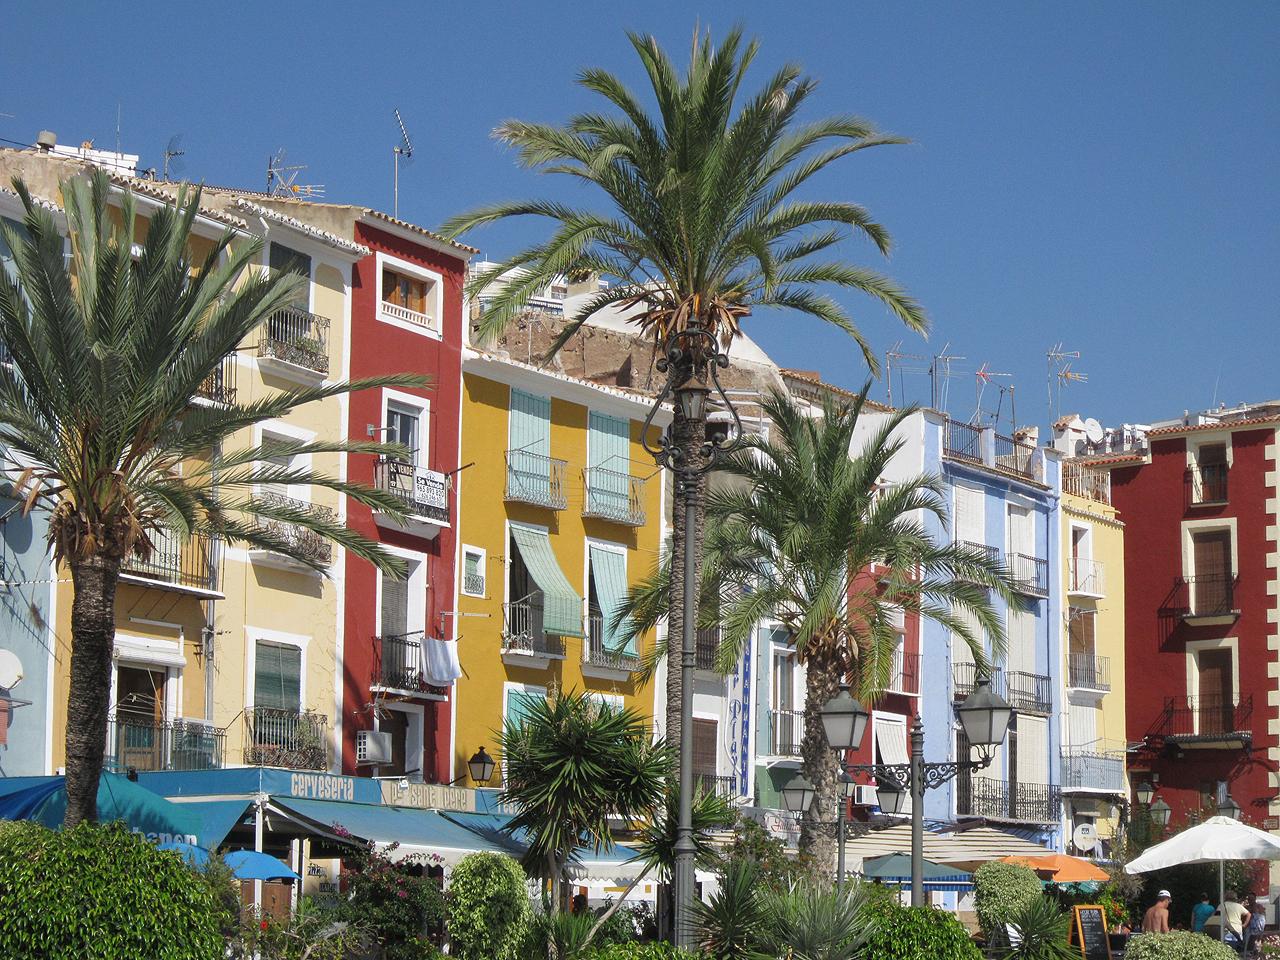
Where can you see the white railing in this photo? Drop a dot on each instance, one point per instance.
(1086, 576)
(396, 312)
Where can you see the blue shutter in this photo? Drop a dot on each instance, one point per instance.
(277, 676)
(519, 706)
(609, 573)
(529, 446)
(608, 440)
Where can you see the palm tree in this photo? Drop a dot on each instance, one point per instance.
(571, 764)
(794, 539)
(699, 224)
(104, 356)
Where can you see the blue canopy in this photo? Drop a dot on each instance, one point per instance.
(618, 861)
(142, 811)
(198, 857)
(895, 868)
(251, 865)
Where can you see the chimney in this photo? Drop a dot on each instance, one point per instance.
(46, 140)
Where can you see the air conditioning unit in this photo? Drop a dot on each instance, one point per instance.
(373, 746)
(865, 796)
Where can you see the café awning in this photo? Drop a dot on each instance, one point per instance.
(962, 848)
(561, 604)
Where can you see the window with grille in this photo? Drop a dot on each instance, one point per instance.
(277, 677)
(473, 572)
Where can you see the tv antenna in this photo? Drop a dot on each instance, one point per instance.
(1059, 370)
(173, 155)
(940, 374)
(405, 150)
(895, 355)
(282, 179)
(984, 377)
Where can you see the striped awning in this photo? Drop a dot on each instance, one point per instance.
(961, 848)
(561, 604)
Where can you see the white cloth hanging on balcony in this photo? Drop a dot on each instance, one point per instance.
(440, 666)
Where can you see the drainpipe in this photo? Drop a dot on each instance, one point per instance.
(258, 804)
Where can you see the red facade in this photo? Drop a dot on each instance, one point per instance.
(382, 688)
(1198, 663)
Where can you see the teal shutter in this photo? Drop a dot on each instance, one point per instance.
(562, 607)
(277, 676)
(608, 439)
(529, 446)
(519, 706)
(609, 574)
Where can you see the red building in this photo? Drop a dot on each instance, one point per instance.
(1199, 501)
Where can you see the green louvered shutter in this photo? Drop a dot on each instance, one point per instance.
(519, 706)
(607, 448)
(609, 574)
(562, 606)
(529, 447)
(277, 676)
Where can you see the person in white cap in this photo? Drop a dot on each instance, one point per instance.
(1156, 919)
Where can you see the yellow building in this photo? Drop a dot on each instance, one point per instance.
(561, 509)
(1093, 763)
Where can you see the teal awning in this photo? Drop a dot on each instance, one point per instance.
(219, 818)
(562, 606)
(609, 574)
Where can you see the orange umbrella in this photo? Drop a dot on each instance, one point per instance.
(1061, 868)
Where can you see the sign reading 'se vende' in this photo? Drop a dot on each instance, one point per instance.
(321, 786)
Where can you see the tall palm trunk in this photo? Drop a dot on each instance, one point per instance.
(93, 630)
(689, 436)
(818, 828)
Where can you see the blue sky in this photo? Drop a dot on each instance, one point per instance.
(1100, 174)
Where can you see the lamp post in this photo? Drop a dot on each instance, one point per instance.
(848, 788)
(984, 717)
(691, 357)
(480, 766)
(1229, 808)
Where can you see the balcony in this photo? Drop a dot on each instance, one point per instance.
(599, 660)
(1088, 672)
(1088, 770)
(189, 566)
(965, 676)
(140, 743)
(1015, 457)
(724, 787)
(473, 584)
(1030, 574)
(423, 493)
(905, 678)
(294, 343)
(1206, 599)
(1013, 801)
(413, 318)
(524, 642)
(1028, 692)
(296, 740)
(1084, 577)
(610, 495)
(397, 665)
(1207, 721)
(962, 441)
(707, 648)
(786, 731)
(1089, 482)
(1206, 485)
(220, 385)
(305, 543)
(990, 553)
(533, 478)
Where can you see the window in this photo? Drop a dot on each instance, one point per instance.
(890, 742)
(277, 676)
(404, 291)
(1215, 690)
(705, 737)
(409, 295)
(282, 259)
(609, 467)
(1032, 751)
(1082, 724)
(520, 700)
(1022, 539)
(1081, 627)
(606, 593)
(274, 457)
(1021, 638)
(403, 427)
(970, 521)
(784, 680)
(473, 571)
(1210, 473)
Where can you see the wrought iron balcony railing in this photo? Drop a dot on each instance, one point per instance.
(979, 796)
(294, 739)
(306, 543)
(1028, 692)
(1212, 595)
(220, 385)
(397, 664)
(189, 563)
(1015, 457)
(786, 729)
(1085, 481)
(1206, 484)
(992, 554)
(707, 647)
(1085, 671)
(296, 336)
(598, 653)
(611, 495)
(1086, 768)
(473, 583)
(141, 743)
(536, 479)
(1084, 577)
(905, 677)
(1030, 574)
(424, 493)
(1207, 719)
(965, 676)
(962, 441)
(724, 787)
(523, 633)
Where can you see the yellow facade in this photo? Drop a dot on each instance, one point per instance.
(491, 669)
(1093, 570)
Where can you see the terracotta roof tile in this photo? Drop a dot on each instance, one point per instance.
(1219, 425)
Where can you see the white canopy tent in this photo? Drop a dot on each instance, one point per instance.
(1217, 840)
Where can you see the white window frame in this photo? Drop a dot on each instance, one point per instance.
(171, 687)
(484, 571)
(1190, 527)
(252, 636)
(415, 738)
(886, 718)
(1194, 647)
(417, 587)
(1196, 441)
(720, 723)
(531, 689)
(955, 511)
(613, 547)
(418, 272)
(797, 676)
(279, 430)
(507, 551)
(311, 258)
(423, 407)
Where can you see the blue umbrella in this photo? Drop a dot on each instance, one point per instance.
(198, 857)
(251, 865)
(118, 799)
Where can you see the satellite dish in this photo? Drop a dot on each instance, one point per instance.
(1085, 837)
(1093, 431)
(10, 669)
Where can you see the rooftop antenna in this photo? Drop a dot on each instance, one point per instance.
(1059, 369)
(940, 373)
(891, 355)
(172, 156)
(982, 378)
(405, 150)
(282, 179)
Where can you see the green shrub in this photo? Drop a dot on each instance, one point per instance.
(101, 893)
(730, 922)
(488, 907)
(1177, 945)
(640, 951)
(393, 901)
(1001, 891)
(916, 933)
(1043, 927)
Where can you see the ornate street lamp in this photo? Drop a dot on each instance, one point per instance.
(1229, 808)
(1145, 792)
(480, 766)
(691, 358)
(844, 720)
(1159, 813)
(985, 716)
(797, 795)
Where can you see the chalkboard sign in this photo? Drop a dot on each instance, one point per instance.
(1090, 931)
